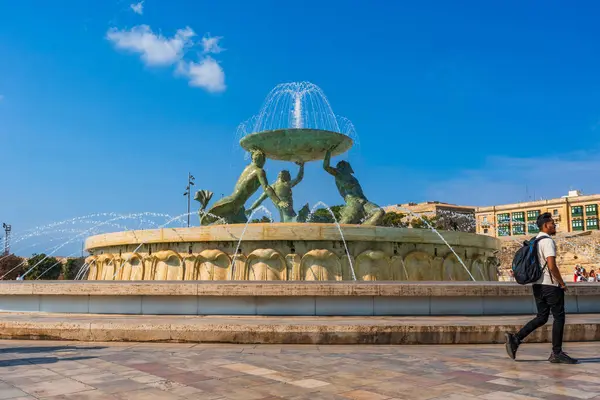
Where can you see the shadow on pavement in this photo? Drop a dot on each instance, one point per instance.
(39, 360)
(44, 349)
(589, 360)
(581, 360)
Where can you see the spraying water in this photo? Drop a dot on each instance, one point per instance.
(142, 243)
(298, 123)
(82, 271)
(81, 234)
(312, 211)
(52, 266)
(268, 213)
(404, 268)
(296, 105)
(441, 237)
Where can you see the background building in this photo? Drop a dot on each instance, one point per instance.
(442, 215)
(576, 216)
(573, 213)
(431, 207)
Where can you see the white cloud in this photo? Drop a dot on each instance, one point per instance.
(505, 179)
(155, 49)
(158, 50)
(207, 74)
(210, 44)
(138, 8)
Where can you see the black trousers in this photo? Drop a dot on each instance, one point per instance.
(548, 299)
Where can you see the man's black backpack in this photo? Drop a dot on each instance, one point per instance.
(526, 266)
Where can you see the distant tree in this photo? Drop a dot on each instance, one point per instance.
(337, 211)
(264, 219)
(322, 215)
(394, 219)
(72, 267)
(11, 266)
(43, 268)
(423, 221)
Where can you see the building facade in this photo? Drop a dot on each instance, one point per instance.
(573, 213)
(431, 208)
(449, 216)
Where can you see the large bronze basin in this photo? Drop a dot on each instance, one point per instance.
(297, 144)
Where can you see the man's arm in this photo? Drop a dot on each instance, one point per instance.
(553, 268)
(257, 202)
(300, 174)
(262, 178)
(326, 162)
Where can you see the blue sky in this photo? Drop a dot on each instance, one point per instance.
(105, 109)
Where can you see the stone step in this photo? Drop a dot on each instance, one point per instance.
(285, 330)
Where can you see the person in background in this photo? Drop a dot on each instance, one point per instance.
(582, 277)
(592, 276)
(576, 273)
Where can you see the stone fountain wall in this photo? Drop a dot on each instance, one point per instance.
(212, 253)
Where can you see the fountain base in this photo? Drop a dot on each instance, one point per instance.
(290, 252)
(284, 312)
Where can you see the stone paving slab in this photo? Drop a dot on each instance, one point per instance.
(62, 370)
(288, 330)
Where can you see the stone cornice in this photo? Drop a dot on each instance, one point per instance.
(287, 232)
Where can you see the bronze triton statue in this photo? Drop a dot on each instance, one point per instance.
(358, 210)
(231, 208)
(283, 189)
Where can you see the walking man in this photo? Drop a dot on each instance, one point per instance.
(549, 293)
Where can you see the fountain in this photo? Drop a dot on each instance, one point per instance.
(296, 124)
(352, 267)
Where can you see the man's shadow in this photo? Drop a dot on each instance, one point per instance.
(587, 360)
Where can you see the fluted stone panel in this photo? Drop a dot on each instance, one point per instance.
(285, 252)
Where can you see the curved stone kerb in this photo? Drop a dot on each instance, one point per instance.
(288, 232)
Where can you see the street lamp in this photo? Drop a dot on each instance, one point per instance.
(7, 229)
(188, 193)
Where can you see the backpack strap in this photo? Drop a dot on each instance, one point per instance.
(535, 245)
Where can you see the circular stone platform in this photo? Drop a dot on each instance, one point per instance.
(283, 312)
(285, 252)
(284, 330)
(297, 144)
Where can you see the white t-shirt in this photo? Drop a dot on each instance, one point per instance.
(546, 248)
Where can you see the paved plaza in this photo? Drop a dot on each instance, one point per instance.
(76, 370)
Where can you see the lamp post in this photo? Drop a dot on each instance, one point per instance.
(7, 229)
(188, 193)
